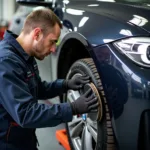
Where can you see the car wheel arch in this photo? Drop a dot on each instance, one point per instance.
(73, 46)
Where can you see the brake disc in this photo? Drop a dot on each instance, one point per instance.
(95, 116)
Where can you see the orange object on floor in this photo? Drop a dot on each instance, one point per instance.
(62, 138)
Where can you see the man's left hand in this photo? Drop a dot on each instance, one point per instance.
(77, 82)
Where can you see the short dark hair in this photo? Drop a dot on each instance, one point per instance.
(43, 18)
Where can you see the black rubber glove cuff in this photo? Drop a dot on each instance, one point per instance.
(73, 108)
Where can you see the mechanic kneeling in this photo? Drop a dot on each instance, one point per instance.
(21, 85)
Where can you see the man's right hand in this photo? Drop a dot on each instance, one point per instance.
(85, 103)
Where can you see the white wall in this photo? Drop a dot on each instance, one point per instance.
(8, 9)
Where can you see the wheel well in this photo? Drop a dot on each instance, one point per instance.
(71, 51)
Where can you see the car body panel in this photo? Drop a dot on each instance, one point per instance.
(100, 32)
(82, 17)
(128, 96)
(138, 13)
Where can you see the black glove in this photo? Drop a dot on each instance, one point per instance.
(77, 82)
(85, 103)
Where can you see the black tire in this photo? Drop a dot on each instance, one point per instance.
(105, 135)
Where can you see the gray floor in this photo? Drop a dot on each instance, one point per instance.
(47, 139)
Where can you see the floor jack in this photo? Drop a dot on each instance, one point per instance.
(62, 138)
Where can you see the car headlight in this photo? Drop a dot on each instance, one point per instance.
(137, 49)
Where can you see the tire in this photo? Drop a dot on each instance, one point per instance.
(88, 134)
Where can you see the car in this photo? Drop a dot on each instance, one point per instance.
(108, 40)
(17, 21)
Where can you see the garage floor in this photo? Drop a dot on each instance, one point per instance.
(47, 140)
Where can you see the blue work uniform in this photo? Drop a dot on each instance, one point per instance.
(20, 88)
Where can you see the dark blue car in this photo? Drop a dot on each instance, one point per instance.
(109, 40)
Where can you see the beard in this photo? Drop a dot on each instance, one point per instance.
(37, 50)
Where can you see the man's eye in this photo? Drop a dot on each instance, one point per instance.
(51, 42)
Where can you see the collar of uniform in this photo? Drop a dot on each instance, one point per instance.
(11, 38)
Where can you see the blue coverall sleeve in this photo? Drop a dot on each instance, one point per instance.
(49, 90)
(17, 100)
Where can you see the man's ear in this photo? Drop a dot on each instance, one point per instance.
(37, 34)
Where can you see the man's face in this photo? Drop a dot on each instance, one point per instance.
(46, 44)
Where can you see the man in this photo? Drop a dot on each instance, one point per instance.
(21, 86)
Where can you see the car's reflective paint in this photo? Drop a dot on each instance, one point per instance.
(126, 84)
(127, 91)
(107, 21)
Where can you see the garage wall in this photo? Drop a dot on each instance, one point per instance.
(7, 9)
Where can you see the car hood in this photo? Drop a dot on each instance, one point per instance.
(134, 13)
